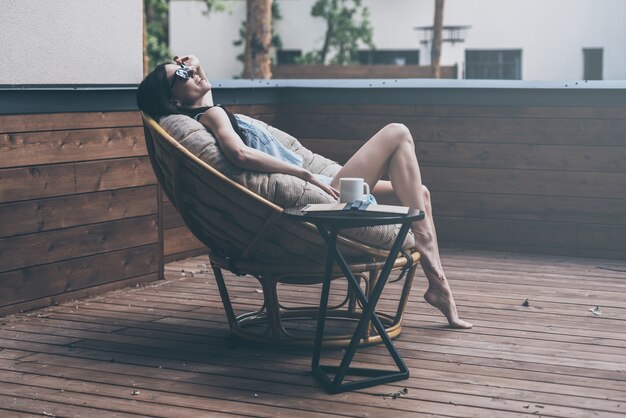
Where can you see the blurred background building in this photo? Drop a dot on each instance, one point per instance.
(485, 39)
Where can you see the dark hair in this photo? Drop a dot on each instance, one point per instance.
(153, 93)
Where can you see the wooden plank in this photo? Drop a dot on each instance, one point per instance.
(562, 131)
(171, 217)
(47, 389)
(186, 254)
(63, 121)
(63, 179)
(25, 404)
(304, 71)
(503, 232)
(523, 156)
(36, 182)
(113, 174)
(285, 110)
(469, 204)
(537, 248)
(36, 148)
(64, 244)
(178, 240)
(510, 156)
(525, 182)
(68, 296)
(70, 275)
(62, 212)
(549, 112)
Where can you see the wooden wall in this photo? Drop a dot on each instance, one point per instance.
(535, 179)
(178, 241)
(78, 207)
(296, 71)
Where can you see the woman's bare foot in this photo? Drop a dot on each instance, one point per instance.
(441, 298)
(438, 293)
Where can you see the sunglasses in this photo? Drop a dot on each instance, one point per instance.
(184, 73)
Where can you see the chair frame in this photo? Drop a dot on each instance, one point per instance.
(169, 158)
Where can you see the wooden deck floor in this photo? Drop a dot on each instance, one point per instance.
(164, 350)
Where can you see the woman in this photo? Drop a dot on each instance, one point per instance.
(184, 88)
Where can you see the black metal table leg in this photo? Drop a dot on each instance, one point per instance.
(374, 376)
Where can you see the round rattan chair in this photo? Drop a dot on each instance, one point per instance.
(247, 235)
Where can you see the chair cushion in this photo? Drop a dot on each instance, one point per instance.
(282, 189)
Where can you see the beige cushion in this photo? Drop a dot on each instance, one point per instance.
(282, 189)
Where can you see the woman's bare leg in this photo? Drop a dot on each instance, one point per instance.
(438, 294)
(391, 150)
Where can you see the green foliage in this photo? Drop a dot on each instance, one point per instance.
(343, 31)
(157, 44)
(213, 6)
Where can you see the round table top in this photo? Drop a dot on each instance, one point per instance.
(349, 219)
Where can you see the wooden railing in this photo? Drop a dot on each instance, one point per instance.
(544, 179)
(297, 71)
(78, 207)
(510, 167)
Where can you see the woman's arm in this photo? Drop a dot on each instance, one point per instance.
(249, 158)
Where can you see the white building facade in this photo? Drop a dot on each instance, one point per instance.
(492, 39)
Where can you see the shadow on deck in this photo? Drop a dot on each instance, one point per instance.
(164, 349)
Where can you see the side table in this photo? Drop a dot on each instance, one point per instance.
(328, 225)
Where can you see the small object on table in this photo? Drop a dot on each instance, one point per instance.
(357, 207)
(328, 220)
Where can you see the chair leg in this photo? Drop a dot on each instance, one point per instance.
(406, 291)
(272, 309)
(370, 285)
(221, 285)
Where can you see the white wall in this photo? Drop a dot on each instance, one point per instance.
(71, 41)
(551, 33)
(210, 38)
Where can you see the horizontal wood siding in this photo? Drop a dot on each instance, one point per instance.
(296, 71)
(78, 207)
(535, 179)
(178, 241)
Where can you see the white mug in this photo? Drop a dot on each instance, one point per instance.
(352, 188)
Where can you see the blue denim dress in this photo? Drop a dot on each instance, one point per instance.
(261, 139)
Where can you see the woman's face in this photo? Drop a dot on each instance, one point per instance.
(186, 90)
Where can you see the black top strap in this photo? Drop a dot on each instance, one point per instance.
(196, 112)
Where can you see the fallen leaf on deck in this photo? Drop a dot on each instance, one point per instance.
(399, 394)
(596, 311)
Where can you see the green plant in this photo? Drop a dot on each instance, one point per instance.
(213, 6)
(343, 31)
(157, 40)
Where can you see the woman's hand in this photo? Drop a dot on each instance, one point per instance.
(193, 62)
(310, 177)
(189, 60)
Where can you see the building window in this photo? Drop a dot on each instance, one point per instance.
(493, 64)
(287, 56)
(389, 56)
(593, 63)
